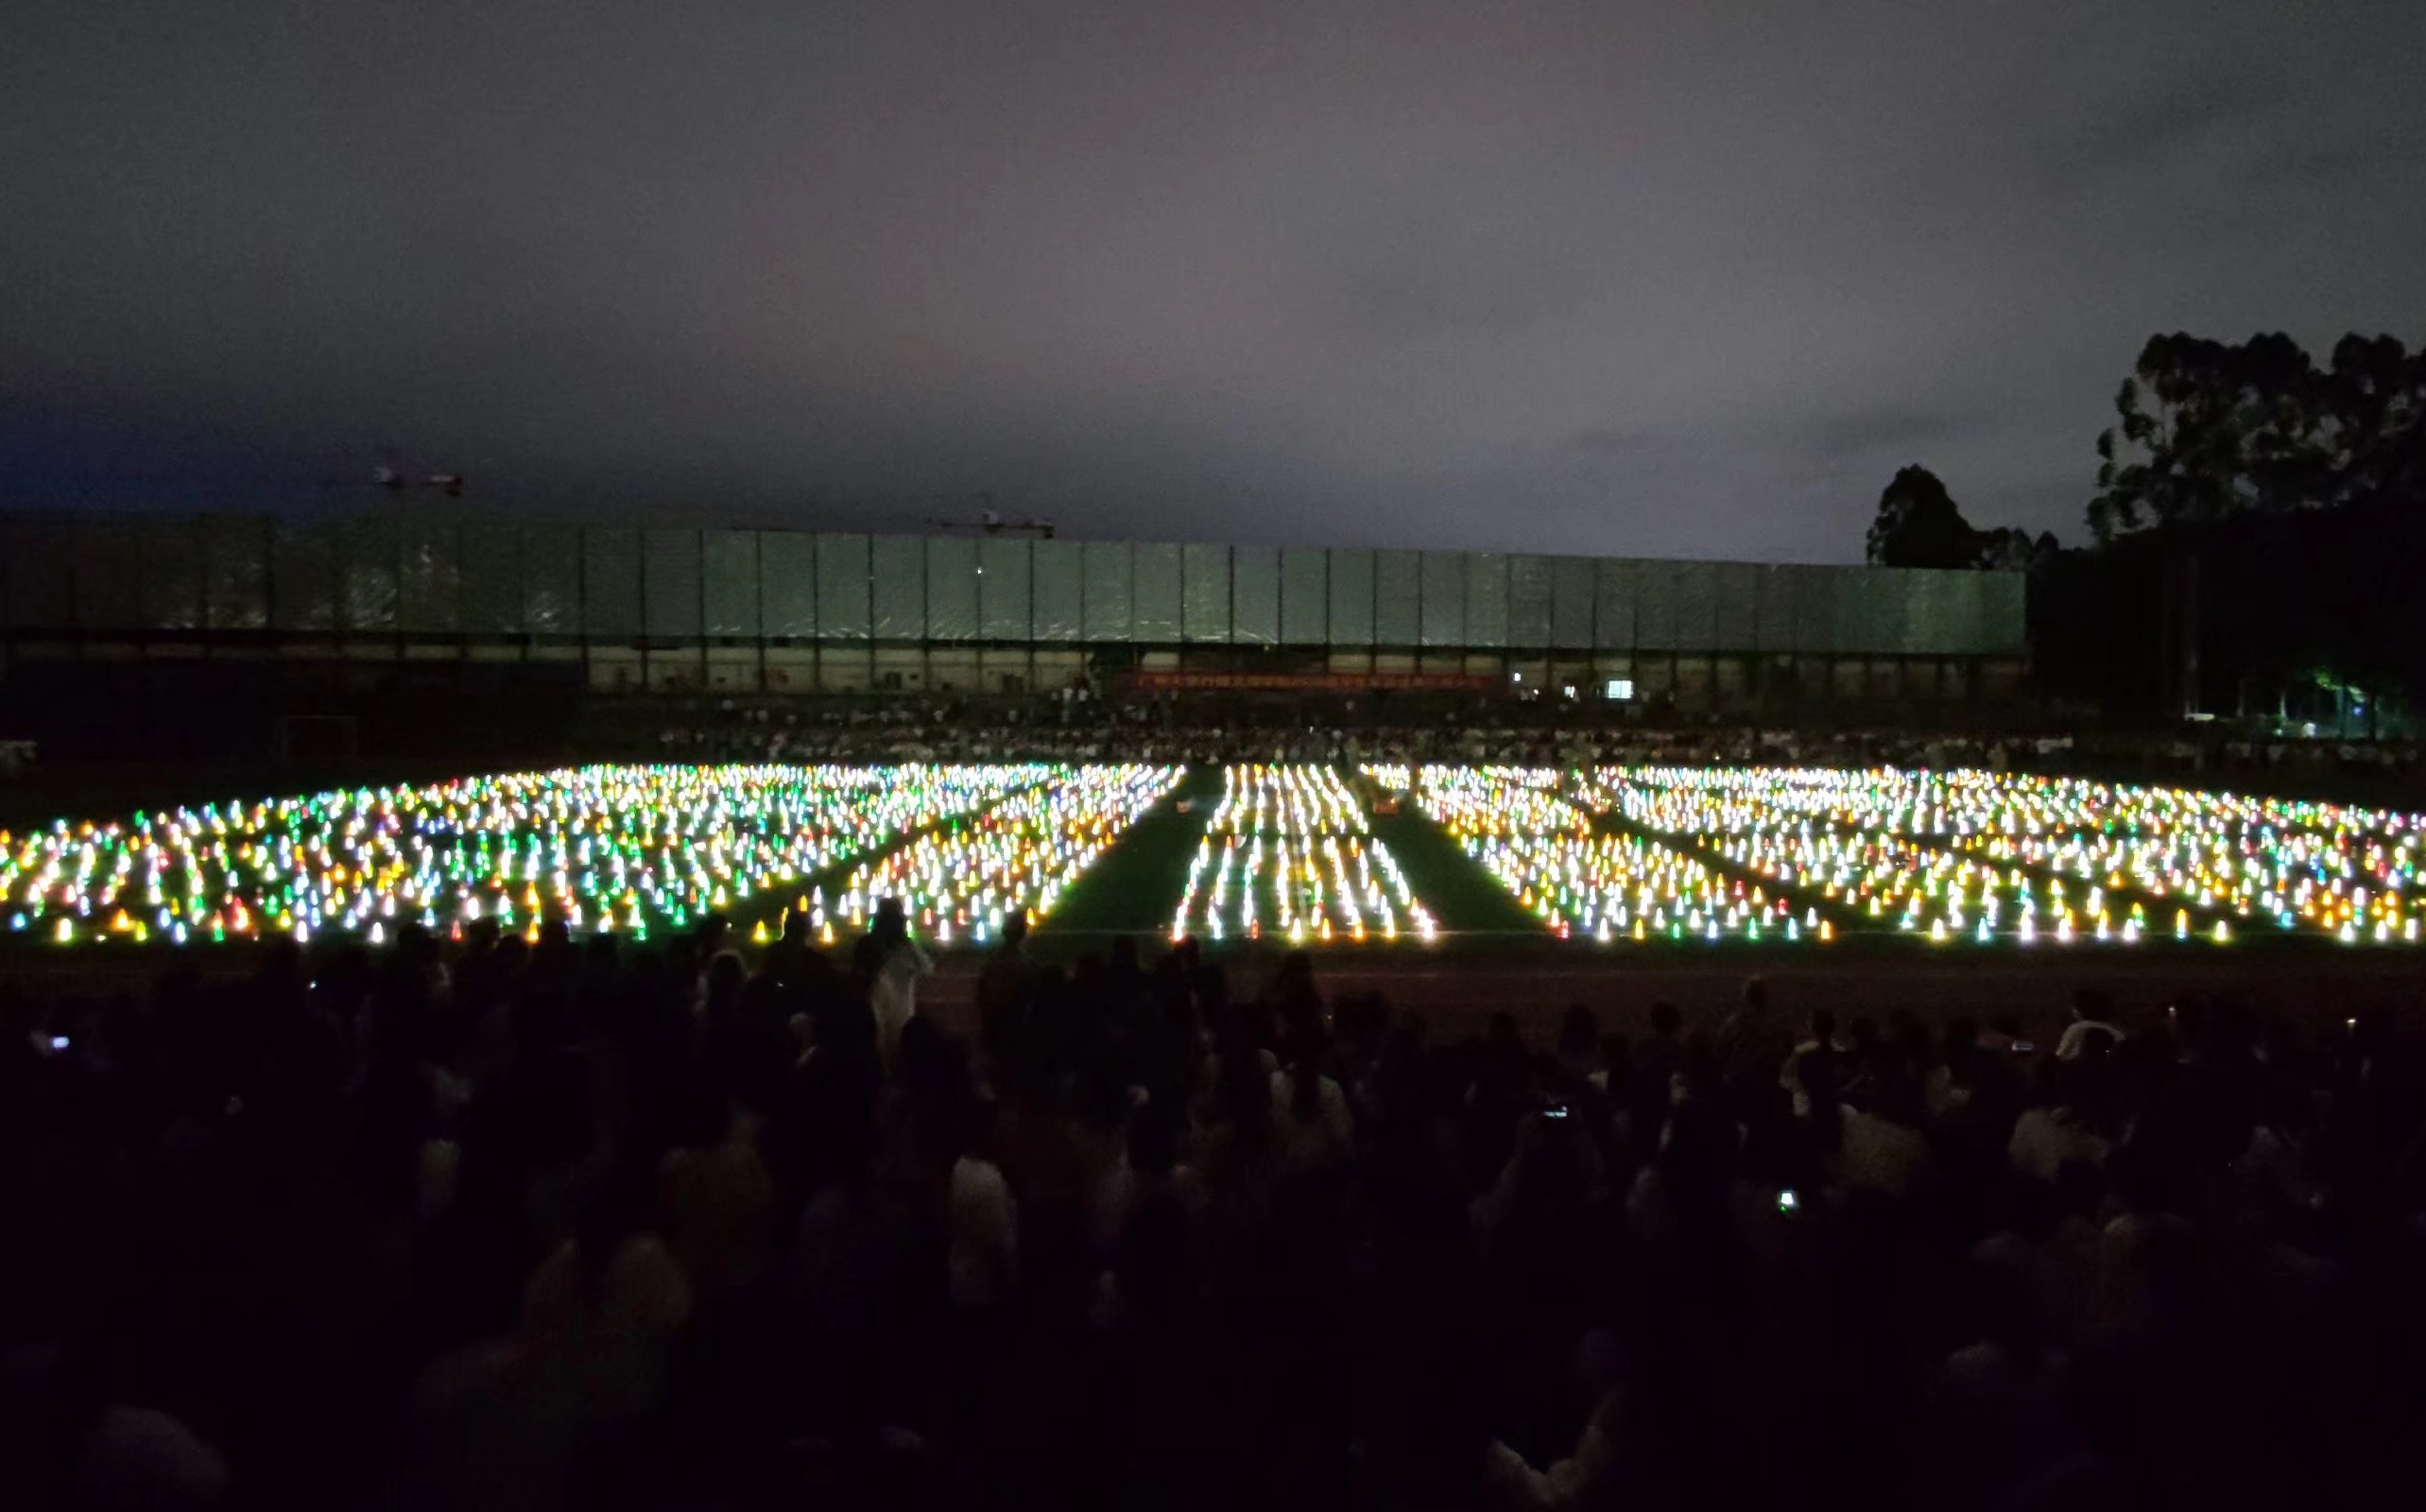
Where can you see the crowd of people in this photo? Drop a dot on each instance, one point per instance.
(578, 1223)
(1077, 726)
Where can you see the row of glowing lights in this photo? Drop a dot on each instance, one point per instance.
(1892, 883)
(2349, 872)
(2284, 884)
(960, 883)
(1605, 888)
(610, 848)
(1970, 800)
(1982, 886)
(1295, 842)
(2209, 882)
(1955, 855)
(1889, 880)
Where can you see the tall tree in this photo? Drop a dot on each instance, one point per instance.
(2373, 398)
(2276, 506)
(2206, 432)
(1919, 524)
(2010, 550)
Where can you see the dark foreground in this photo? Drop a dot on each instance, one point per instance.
(580, 1226)
(1535, 980)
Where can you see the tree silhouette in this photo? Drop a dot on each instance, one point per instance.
(2209, 432)
(1919, 524)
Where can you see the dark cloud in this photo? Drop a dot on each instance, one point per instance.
(2162, 116)
(1888, 428)
(1657, 278)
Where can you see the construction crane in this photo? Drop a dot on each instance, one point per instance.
(398, 477)
(449, 484)
(989, 522)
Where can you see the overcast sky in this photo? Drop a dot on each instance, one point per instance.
(1689, 278)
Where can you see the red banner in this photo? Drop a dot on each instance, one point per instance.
(1308, 681)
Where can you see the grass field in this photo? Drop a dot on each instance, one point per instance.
(1130, 891)
(1467, 901)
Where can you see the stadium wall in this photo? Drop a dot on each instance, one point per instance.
(611, 608)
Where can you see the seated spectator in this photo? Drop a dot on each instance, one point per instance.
(2092, 1016)
(1312, 1131)
(1881, 1147)
(2060, 1125)
(1651, 1071)
(1579, 1043)
(1822, 1039)
(1623, 1457)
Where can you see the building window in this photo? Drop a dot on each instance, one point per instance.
(1620, 689)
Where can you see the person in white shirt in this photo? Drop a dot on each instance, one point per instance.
(1148, 1170)
(893, 966)
(1620, 1459)
(982, 1221)
(2057, 1127)
(500, 1422)
(1882, 1154)
(1312, 1130)
(1822, 1039)
(2046, 1139)
(2092, 1016)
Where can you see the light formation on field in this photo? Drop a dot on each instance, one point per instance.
(960, 881)
(627, 849)
(1984, 857)
(1289, 854)
(1578, 882)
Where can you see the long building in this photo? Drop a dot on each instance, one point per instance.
(616, 607)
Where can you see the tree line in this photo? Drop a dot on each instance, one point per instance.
(2259, 523)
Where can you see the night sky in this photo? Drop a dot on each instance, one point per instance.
(1685, 278)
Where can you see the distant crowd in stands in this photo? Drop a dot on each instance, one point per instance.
(578, 1223)
(1079, 727)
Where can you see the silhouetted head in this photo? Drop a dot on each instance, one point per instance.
(1615, 1052)
(1578, 1033)
(1501, 1038)
(726, 974)
(890, 923)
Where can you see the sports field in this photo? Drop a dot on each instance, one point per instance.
(1383, 859)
